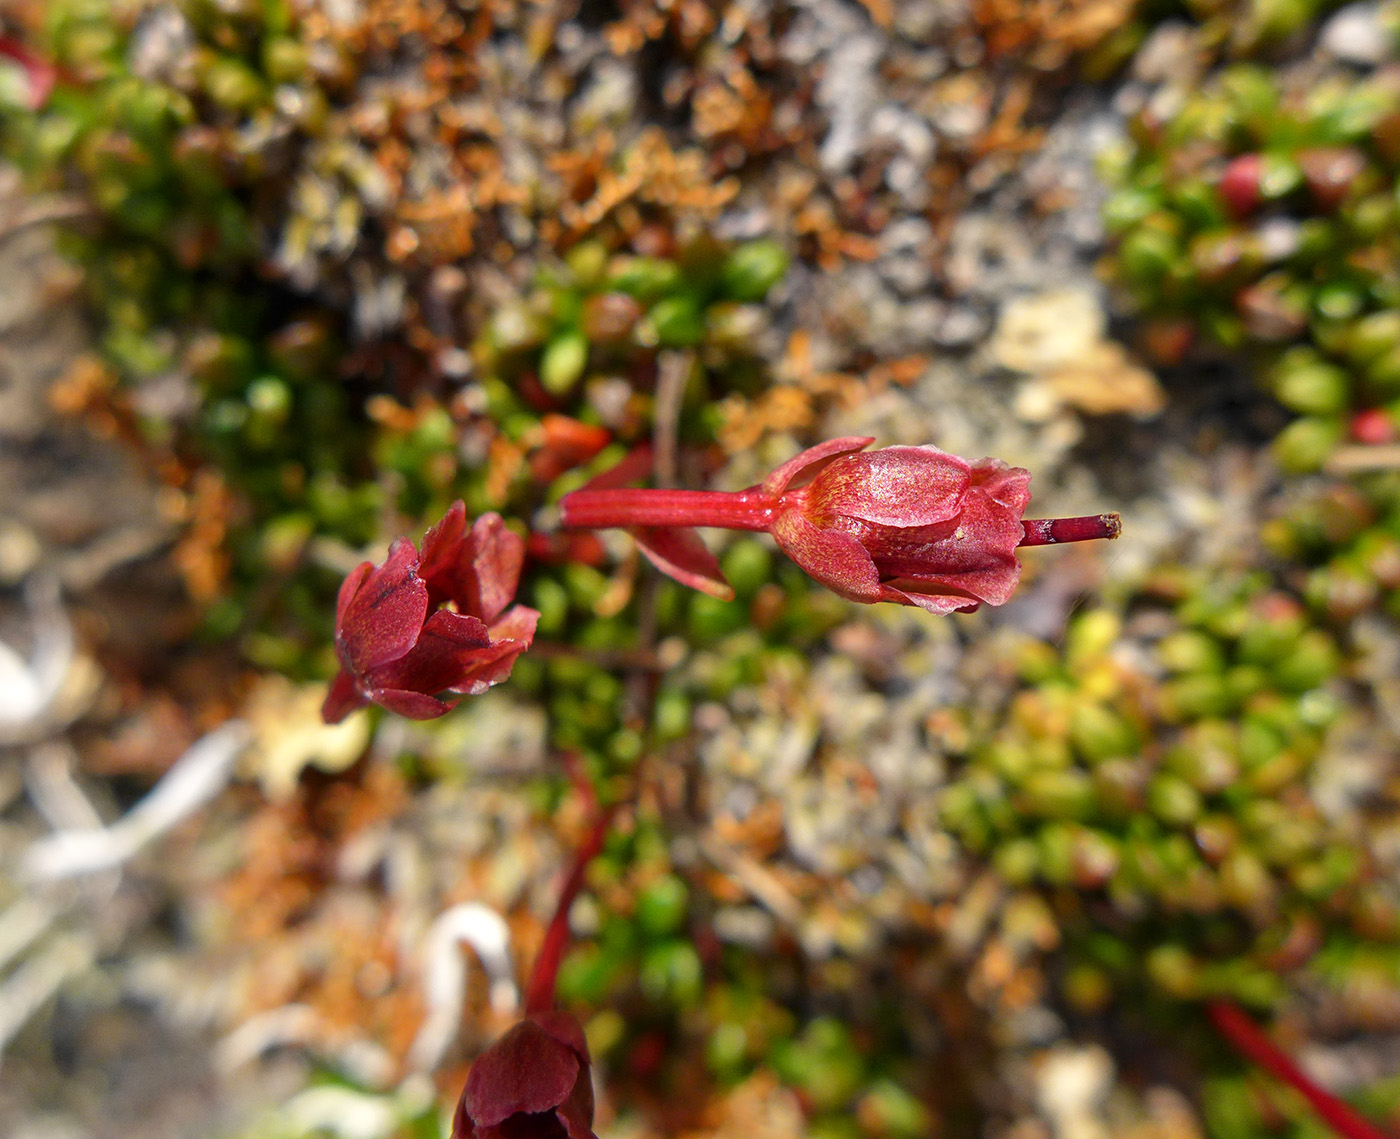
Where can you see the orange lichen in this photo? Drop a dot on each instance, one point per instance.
(731, 106)
(1047, 33)
(648, 171)
(303, 935)
(690, 21)
(504, 464)
(200, 554)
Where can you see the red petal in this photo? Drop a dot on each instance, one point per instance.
(526, 1070)
(974, 555)
(894, 486)
(926, 597)
(678, 552)
(381, 619)
(478, 570)
(410, 705)
(1008, 486)
(576, 1112)
(488, 667)
(343, 698)
(462, 1127)
(516, 624)
(810, 462)
(442, 551)
(497, 555)
(993, 583)
(565, 1029)
(833, 557)
(449, 647)
(348, 588)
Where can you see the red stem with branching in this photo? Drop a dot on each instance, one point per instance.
(540, 995)
(599, 508)
(1250, 1041)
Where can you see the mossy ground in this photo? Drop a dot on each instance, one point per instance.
(875, 874)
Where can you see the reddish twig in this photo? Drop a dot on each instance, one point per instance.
(732, 510)
(1251, 1042)
(598, 508)
(540, 996)
(1052, 531)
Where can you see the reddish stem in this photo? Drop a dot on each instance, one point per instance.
(1052, 531)
(540, 996)
(598, 509)
(1251, 1042)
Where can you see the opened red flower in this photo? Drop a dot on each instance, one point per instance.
(402, 647)
(912, 525)
(533, 1083)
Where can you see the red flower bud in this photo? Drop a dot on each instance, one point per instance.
(533, 1083)
(400, 649)
(913, 525)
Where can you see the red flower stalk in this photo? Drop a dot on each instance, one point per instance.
(912, 525)
(1250, 1041)
(535, 1082)
(398, 645)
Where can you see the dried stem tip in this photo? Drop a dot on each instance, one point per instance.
(1053, 531)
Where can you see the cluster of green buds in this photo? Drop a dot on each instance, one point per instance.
(277, 424)
(587, 337)
(567, 375)
(1239, 29)
(711, 649)
(837, 1073)
(1263, 217)
(148, 115)
(642, 948)
(151, 125)
(1345, 539)
(665, 993)
(1167, 788)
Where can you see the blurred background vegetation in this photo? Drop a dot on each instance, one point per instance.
(339, 263)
